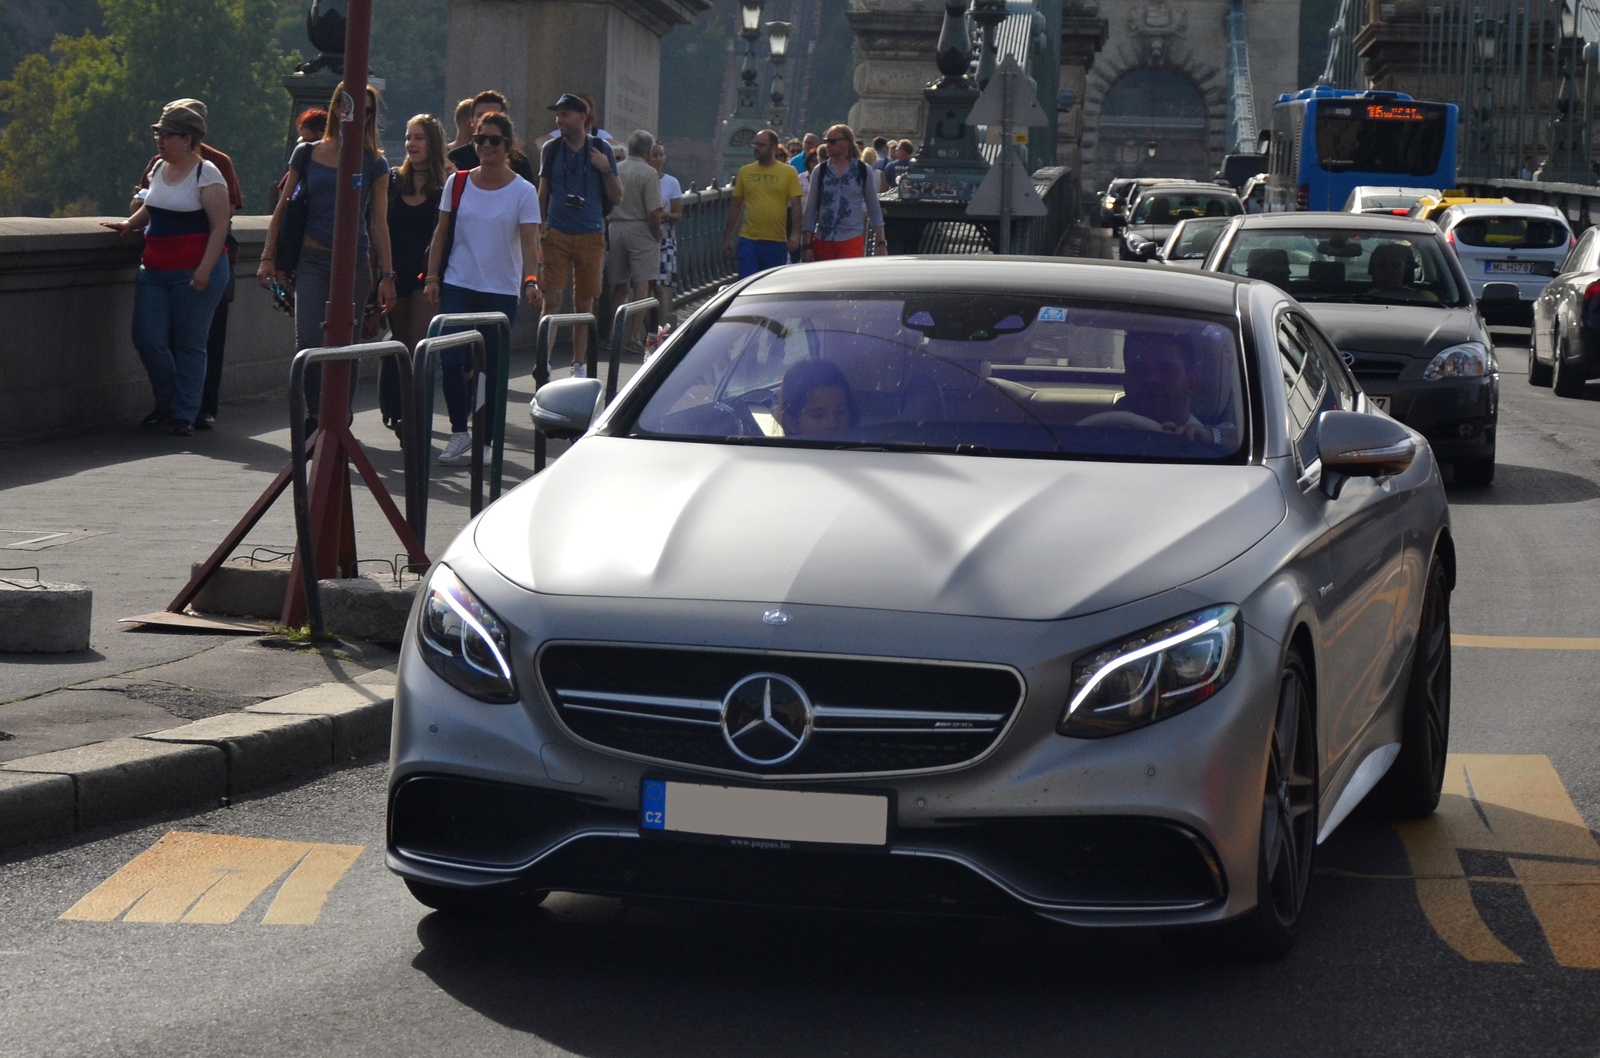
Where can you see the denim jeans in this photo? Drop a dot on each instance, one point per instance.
(453, 362)
(310, 306)
(170, 326)
(758, 255)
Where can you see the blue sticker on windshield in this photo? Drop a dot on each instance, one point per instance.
(920, 319)
(1052, 314)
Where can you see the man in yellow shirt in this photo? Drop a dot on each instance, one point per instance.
(766, 197)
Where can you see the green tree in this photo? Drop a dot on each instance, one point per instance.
(80, 128)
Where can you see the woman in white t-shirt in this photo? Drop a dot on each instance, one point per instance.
(494, 259)
(672, 199)
(183, 271)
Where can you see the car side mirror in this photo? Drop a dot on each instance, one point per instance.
(1499, 294)
(1353, 445)
(567, 407)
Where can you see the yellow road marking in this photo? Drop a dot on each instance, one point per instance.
(1527, 642)
(1514, 805)
(212, 878)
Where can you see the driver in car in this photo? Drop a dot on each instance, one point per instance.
(815, 399)
(1159, 378)
(1387, 266)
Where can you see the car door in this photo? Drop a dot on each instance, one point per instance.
(1366, 594)
(1548, 307)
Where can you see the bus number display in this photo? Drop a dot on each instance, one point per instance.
(1390, 112)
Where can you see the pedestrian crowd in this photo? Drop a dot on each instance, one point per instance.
(474, 224)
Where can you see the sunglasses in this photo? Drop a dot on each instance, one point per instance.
(164, 135)
(482, 140)
(835, 139)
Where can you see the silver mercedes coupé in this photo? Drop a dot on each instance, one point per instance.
(1096, 592)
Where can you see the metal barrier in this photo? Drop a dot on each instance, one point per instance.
(498, 361)
(943, 227)
(298, 457)
(702, 266)
(418, 426)
(621, 323)
(541, 362)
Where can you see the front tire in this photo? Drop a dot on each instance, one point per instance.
(1410, 789)
(1288, 825)
(1566, 379)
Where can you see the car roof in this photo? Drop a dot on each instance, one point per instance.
(1144, 285)
(1188, 185)
(1357, 221)
(1464, 210)
(1393, 189)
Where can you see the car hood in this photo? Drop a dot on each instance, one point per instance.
(980, 536)
(1409, 330)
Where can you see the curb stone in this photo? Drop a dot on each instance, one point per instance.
(54, 794)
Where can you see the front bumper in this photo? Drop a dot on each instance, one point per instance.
(1155, 826)
(1458, 416)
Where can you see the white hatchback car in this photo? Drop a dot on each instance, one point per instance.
(1396, 201)
(1508, 242)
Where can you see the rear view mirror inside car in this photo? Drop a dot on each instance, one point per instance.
(1339, 246)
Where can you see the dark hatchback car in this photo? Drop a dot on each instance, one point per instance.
(1158, 209)
(1564, 349)
(1393, 298)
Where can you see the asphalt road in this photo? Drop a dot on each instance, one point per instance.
(1475, 934)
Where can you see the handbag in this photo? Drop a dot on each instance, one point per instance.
(292, 228)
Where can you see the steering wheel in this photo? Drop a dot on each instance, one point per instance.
(741, 407)
(1122, 420)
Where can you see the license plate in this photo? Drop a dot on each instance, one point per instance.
(759, 817)
(1381, 403)
(1502, 267)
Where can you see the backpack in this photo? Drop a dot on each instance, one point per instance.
(547, 160)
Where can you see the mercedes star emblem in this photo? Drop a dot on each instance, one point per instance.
(766, 718)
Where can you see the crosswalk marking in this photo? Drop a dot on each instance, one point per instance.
(1514, 805)
(212, 878)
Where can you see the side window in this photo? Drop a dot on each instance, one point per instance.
(1342, 392)
(1306, 387)
(1579, 253)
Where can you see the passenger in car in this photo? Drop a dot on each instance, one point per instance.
(816, 399)
(1159, 377)
(1388, 267)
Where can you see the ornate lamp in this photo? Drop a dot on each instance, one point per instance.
(746, 119)
(778, 54)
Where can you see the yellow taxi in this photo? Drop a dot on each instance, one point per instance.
(1429, 207)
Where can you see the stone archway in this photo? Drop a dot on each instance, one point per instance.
(1190, 143)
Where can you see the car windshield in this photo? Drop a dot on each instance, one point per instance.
(1169, 207)
(976, 374)
(1375, 267)
(1512, 233)
(1194, 240)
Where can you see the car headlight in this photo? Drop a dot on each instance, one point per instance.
(1467, 360)
(1156, 674)
(463, 641)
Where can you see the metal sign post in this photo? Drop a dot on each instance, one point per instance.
(1008, 102)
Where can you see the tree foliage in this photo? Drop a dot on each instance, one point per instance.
(80, 118)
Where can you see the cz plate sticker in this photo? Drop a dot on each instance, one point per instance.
(655, 805)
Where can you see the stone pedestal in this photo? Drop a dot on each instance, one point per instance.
(1083, 34)
(534, 50)
(897, 39)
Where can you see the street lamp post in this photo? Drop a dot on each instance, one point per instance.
(778, 53)
(988, 14)
(1568, 161)
(1486, 34)
(745, 120)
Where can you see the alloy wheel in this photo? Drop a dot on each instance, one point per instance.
(1288, 816)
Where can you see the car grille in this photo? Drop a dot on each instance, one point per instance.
(1374, 365)
(868, 716)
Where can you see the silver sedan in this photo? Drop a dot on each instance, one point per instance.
(1092, 592)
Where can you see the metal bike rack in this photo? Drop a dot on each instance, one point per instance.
(418, 425)
(498, 360)
(621, 323)
(298, 457)
(541, 363)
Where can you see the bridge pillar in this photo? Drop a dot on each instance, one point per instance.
(897, 40)
(1083, 34)
(533, 50)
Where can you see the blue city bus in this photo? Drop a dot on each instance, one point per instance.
(1327, 141)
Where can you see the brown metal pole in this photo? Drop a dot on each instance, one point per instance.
(330, 478)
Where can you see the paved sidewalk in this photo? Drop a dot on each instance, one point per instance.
(134, 510)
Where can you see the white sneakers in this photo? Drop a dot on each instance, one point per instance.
(578, 371)
(457, 450)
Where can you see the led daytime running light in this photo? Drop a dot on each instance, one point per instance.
(483, 634)
(1143, 652)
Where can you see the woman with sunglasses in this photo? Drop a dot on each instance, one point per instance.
(489, 218)
(315, 168)
(183, 271)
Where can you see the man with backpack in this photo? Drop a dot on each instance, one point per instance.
(578, 185)
(842, 200)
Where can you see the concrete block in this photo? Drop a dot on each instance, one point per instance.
(128, 777)
(239, 589)
(361, 716)
(260, 749)
(367, 608)
(46, 619)
(35, 806)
